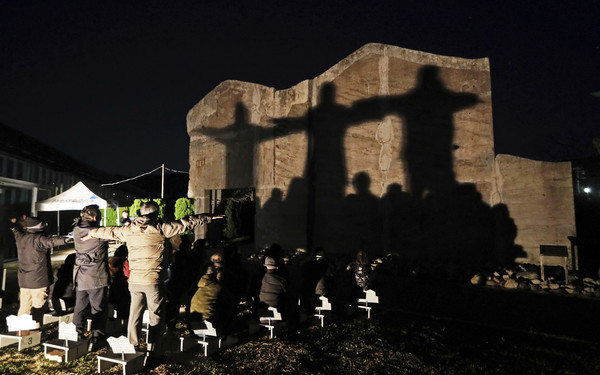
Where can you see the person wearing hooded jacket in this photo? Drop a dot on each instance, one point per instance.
(35, 272)
(90, 276)
(212, 301)
(148, 260)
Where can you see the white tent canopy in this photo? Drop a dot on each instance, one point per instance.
(76, 198)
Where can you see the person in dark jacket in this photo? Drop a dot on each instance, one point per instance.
(64, 289)
(273, 289)
(118, 291)
(35, 272)
(90, 276)
(125, 219)
(315, 279)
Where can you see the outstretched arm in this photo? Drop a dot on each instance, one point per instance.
(52, 241)
(188, 223)
(288, 125)
(107, 233)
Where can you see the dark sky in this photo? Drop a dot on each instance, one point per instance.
(111, 82)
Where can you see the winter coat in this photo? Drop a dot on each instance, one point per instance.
(34, 259)
(64, 287)
(273, 289)
(213, 302)
(205, 299)
(91, 262)
(146, 243)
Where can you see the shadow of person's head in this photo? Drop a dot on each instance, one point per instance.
(361, 182)
(327, 94)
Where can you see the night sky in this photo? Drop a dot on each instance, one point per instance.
(111, 82)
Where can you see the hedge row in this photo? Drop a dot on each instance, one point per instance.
(183, 208)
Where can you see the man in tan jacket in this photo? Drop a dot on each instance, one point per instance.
(146, 237)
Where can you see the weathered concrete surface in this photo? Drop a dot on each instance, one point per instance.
(389, 150)
(540, 199)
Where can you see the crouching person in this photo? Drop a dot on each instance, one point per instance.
(273, 290)
(35, 272)
(213, 302)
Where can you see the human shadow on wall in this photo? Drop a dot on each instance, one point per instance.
(325, 171)
(287, 214)
(240, 139)
(428, 131)
(362, 219)
(437, 219)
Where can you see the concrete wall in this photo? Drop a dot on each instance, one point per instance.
(389, 150)
(539, 196)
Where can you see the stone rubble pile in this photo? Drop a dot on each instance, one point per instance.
(527, 278)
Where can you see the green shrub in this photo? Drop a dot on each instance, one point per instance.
(184, 207)
(110, 216)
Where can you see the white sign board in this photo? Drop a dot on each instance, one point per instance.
(20, 323)
(120, 345)
(67, 331)
(208, 331)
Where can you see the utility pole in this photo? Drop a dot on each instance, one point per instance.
(162, 185)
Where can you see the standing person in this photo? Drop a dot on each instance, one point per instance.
(125, 220)
(145, 238)
(90, 277)
(35, 272)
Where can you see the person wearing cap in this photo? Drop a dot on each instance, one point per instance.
(273, 289)
(148, 260)
(35, 272)
(90, 277)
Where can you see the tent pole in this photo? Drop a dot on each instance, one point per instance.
(162, 184)
(58, 222)
(34, 195)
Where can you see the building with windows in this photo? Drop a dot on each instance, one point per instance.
(32, 171)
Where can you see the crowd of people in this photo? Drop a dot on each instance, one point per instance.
(157, 269)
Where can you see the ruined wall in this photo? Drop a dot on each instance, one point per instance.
(540, 199)
(389, 150)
